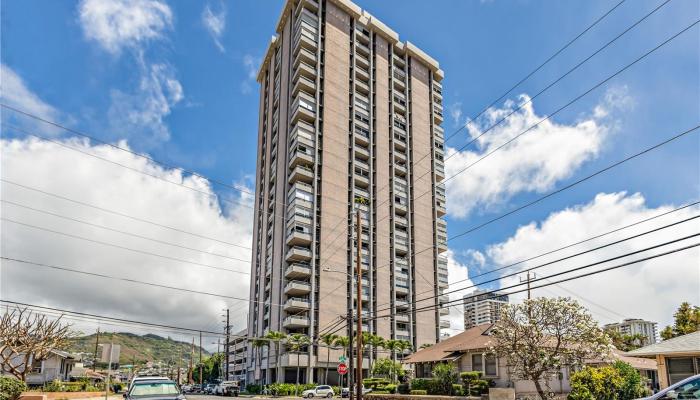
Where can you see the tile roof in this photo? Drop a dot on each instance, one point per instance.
(689, 343)
(635, 362)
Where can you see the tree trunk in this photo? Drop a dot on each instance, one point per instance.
(328, 361)
(296, 388)
(540, 390)
(279, 359)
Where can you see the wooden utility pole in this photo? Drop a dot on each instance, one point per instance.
(226, 346)
(179, 363)
(190, 370)
(94, 359)
(201, 380)
(359, 306)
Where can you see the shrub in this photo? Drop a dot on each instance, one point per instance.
(380, 392)
(374, 383)
(403, 388)
(11, 388)
(253, 389)
(613, 382)
(456, 389)
(419, 392)
(472, 383)
(445, 376)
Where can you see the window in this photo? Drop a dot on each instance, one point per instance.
(486, 363)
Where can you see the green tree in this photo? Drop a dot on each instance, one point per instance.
(296, 342)
(611, 382)
(388, 368)
(403, 346)
(374, 342)
(258, 344)
(344, 343)
(276, 337)
(540, 336)
(625, 342)
(445, 375)
(686, 320)
(329, 340)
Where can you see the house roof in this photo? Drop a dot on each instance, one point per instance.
(63, 354)
(471, 339)
(635, 362)
(689, 343)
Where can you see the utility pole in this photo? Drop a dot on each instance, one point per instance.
(190, 371)
(94, 359)
(528, 279)
(226, 346)
(179, 363)
(200, 360)
(359, 306)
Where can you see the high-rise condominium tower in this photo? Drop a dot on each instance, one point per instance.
(483, 307)
(349, 117)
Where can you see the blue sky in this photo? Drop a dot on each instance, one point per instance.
(206, 98)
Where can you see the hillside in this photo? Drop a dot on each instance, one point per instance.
(138, 349)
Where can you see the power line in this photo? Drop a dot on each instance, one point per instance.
(571, 256)
(126, 248)
(121, 214)
(117, 230)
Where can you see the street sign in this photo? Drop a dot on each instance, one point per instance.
(342, 369)
(342, 359)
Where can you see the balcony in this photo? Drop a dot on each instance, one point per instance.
(402, 333)
(402, 318)
(401, 248)
(402, 221)
(400, 209)
(442, 299)
(296, 271)
(296, 304)
(295, 238)
(439, 133)
(437, 88)
(362, 49)
(399, 85)
(401, 304)
(437, 114)
(302, 41)
(399, 140)
(362, 61)
(444, 311)
(297, 253)
(362, 74)
(296, 321)
(444, 324)
(361, 153)
(401, 289)
(399, 61)
(301, 173)
(361, 87)
(399, 108)
(307, 4)
(304, 70)
(400, 169)
(304, 108)
(297, 288)
(305, 84)
(304, 56)
(439, 170)
(300, 157)
(361, 35)
(440, 209)
(361, 136)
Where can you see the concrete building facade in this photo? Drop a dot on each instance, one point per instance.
(634, 326)
(350, 117)
(482, 307)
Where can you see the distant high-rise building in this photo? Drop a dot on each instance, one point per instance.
(482, 307)
(633, 326)
(349, 117)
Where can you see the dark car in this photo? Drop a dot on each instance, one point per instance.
(154, 390)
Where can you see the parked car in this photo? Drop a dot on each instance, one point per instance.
(318, 391)
(688, 388)
(228, 388)
(345, 392)
(139, 378)
(154, 389)
(196, 388)
(209, 388)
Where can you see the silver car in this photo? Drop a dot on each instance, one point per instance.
(688, 388)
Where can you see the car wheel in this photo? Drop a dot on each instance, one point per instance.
(329, 395)
(311, 395)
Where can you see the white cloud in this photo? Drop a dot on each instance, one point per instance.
(119, 24)
(55, 169)
(15, 93)
(650, 290)
(141, 115)
(251, 65)
(456, 113)
(458, 278)
(215, 24)
(534, 162)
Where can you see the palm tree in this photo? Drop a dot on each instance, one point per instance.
(296, 342)
(344, 342)
(277, 337)
(375, 342)
(258, 344)
(403, 346)
(328, 339)
(392, 345)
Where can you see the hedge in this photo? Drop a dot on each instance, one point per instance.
(11, 388)
(419, 392)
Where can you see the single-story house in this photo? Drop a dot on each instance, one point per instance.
(469, 351)
(676, 358)
(647, 368)
(57, 366)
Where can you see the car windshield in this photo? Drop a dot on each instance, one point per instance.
(690, 390)
(154, 389)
